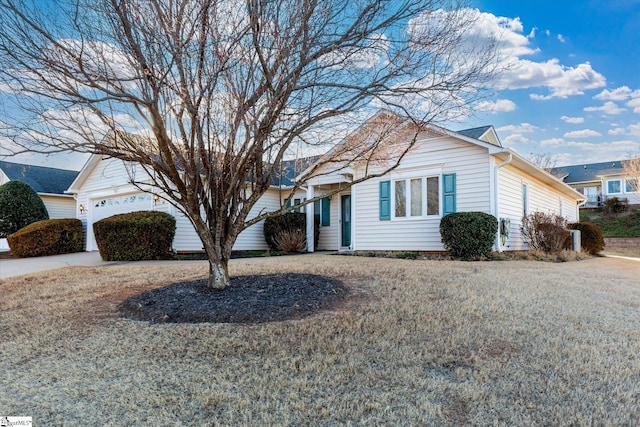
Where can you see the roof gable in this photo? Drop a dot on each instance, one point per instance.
(42, 179)
(482, 133)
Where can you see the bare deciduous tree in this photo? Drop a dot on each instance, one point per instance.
(544, 161)
(209, 96)
(631, 168)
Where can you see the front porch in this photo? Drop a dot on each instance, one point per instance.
(334, 213)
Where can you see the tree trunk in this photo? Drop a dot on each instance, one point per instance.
(218, 274)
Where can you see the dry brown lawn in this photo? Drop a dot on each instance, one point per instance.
(419, 343)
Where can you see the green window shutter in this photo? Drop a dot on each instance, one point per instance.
(385, 200)
(326, 212)
(448, 193)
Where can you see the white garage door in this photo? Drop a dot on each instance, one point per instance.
(113, 205)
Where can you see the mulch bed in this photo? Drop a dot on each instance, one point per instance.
(249, 299)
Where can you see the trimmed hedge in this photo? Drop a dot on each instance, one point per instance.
(47, 237)
(591, 236)
(468, 235)
(135, 236)
(289, 222)
(20, 206)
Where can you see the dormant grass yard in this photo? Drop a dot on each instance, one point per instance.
(418, 343)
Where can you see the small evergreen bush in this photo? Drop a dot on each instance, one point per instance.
(591, 237)
(135, 236)
(288, 222)
(468, 235)
(20, 206)
(47, 237)
(546, 232)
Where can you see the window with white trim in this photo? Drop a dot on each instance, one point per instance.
(416, 197)
(614, 186)
(631, 185)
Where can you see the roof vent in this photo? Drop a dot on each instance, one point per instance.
(613, 165)
(585, 166)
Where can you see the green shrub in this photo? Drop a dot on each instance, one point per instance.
(287, 223)
(591, 237)
(546, 232)
(468, 235)
(47, 237)
(135, 236)
(20, 206)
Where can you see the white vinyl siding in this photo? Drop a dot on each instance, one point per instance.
(540, 198)
(430, 158)
(622, 187)
(59, 206)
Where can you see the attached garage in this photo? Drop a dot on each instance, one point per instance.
(103, 189)
(105, 207)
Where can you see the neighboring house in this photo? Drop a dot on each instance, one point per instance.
(444, 172)
(103, 188)
(49, 183)
(600, 181)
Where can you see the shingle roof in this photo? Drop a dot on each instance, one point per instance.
(588, 172)
(42, 179)
(475, 133)
(289, 169)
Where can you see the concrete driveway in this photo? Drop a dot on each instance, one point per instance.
(16, 267)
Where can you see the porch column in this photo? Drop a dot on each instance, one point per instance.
(310, 220)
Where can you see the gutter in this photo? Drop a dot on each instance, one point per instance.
(497, 198)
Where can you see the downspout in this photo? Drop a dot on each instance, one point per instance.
(497, 198)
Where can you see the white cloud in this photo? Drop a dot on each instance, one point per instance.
(500, 105)
(562, 81)
(574, 120)
(588, 152)
(518, 73)
(515, 138)
(584, 133)
(634, 129)
(617, 131)
(618, 94)
(561, 38)
(521, 128)
(609, 108)
(635, 104)
(552, 142)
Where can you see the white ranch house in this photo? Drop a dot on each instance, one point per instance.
(445, 172)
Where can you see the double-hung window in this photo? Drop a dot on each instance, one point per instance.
(416, 197)
(631, 185)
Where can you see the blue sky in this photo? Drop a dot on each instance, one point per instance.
(575, 93)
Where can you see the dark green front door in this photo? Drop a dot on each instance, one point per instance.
(346, 220)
